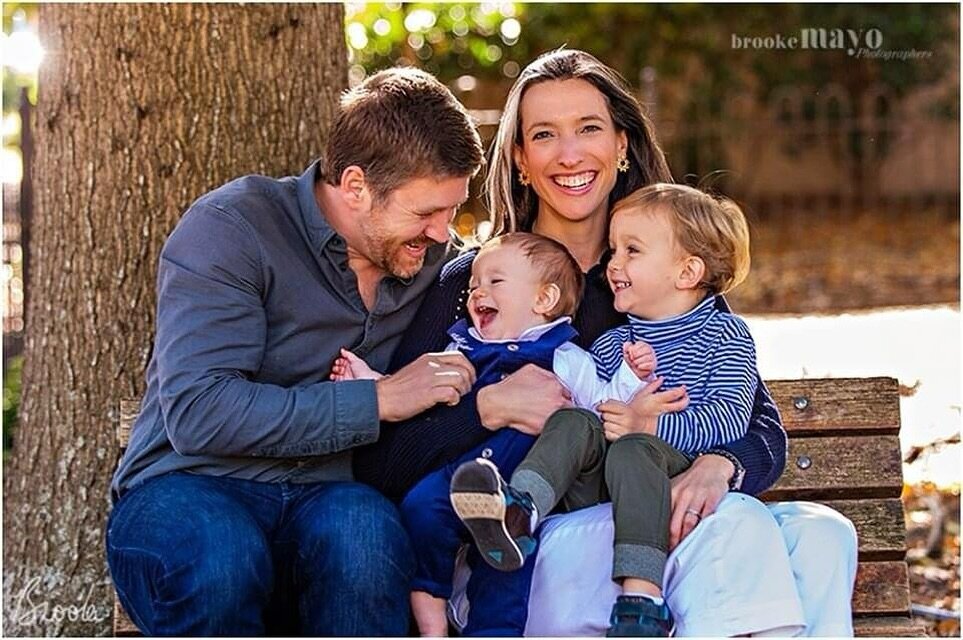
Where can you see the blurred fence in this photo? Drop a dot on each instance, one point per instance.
(824, 152)
(802, 154)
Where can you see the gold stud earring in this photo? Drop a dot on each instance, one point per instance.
(622, 164)
(523, 178)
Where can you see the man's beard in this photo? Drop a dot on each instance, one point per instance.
(390, 254)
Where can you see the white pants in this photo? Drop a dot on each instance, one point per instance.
(746, 569)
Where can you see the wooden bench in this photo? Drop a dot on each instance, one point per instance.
(844, 452)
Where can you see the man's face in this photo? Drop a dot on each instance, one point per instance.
(400, 227)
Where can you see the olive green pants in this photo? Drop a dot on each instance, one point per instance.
(573, 466)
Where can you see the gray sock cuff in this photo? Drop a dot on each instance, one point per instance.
(639, 561)
(542, 493)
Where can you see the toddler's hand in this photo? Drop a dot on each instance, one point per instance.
(640, 357)
(652, 402)
(619, 419)
(350, 367)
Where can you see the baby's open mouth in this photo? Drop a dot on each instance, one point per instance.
(485, 315)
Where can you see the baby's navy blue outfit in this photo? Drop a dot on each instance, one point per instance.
(499, 600)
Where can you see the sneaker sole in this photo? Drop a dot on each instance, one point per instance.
(478, 500)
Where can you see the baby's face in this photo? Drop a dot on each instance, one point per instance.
(504, 290)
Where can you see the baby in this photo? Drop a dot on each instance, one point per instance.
(524, 289)
(674, 250)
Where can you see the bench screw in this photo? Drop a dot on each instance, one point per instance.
(804, 462)
(800, 402)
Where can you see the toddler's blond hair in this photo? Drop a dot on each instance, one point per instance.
(710, 227)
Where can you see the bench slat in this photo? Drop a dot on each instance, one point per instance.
(824, 406)
(881, 588)
(128, 414)
(123, 626)
(894, 627)
(840, 468)
(879, 525)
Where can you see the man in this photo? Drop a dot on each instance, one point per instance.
(235, 513)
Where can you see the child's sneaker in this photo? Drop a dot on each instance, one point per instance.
(498, 517)
(639, 617)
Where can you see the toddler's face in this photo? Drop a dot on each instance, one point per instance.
(645, 263)
(504, 290)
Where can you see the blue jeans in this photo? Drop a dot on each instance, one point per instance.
(195, 555)
(498, 599)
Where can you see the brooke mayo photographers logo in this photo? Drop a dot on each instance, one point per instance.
(857, 43)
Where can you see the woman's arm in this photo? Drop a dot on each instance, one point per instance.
(762, 452)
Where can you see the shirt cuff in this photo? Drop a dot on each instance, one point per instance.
(756, 466)
(356, 413)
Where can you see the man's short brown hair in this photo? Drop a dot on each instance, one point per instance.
(710, 227)
(554, 264)
(398, 125)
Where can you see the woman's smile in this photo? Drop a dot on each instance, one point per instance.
(577, 184)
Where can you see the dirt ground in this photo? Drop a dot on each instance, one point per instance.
(934, 554)
(807, 263)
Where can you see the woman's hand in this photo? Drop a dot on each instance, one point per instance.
(696, 492)
(524, 400)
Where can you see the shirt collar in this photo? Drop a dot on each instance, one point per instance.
(528, 335)
(669, 330)
(319, 231)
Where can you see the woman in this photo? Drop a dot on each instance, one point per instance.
(567, 125)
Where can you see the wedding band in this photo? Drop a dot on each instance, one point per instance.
(693, 512)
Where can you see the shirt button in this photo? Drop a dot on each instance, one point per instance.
(503, 376)
(513, 347)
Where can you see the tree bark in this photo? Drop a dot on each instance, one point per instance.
(142, 108)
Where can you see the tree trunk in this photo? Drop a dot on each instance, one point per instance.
(142, 109)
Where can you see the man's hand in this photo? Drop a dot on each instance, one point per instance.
(350, 367)
(697, 490)
(640, 357)
(523, 400)
(432, 378)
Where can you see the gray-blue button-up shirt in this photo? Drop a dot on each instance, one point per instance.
(254, 300)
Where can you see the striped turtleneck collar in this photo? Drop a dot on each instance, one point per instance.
(660, 333)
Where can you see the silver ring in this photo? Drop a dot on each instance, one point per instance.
(693, 512)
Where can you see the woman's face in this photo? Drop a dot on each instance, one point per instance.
(569, 148)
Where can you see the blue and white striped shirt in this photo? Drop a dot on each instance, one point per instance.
(708, 351)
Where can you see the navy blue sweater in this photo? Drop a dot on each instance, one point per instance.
(407, 451)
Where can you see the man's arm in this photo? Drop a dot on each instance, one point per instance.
(211, 332)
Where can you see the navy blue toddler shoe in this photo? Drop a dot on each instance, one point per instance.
(639, 617)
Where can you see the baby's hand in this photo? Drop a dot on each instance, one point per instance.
(640, 357)
(350, 367)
